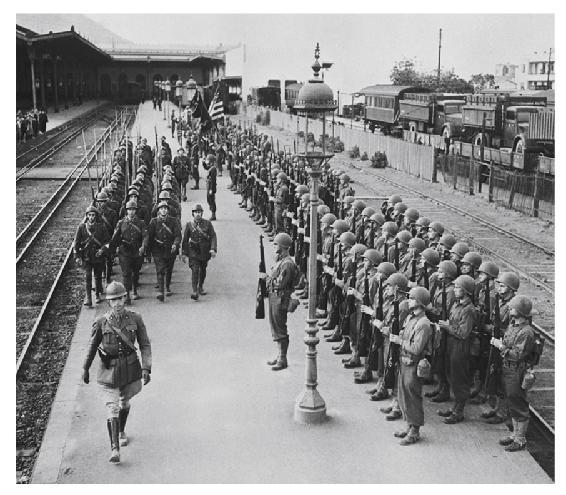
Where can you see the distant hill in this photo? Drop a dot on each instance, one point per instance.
(91, 30)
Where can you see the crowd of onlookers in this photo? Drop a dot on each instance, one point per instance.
(30, 124)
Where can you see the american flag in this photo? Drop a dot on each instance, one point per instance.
(216, 110)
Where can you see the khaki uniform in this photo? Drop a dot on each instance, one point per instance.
(280, 285)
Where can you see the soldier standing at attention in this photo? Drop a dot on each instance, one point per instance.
(120, 373)
(199, 245)
(414, 341)
(211, 185)
(181, 171)
(164, 237)
(280, 285)
(89, 239)
(130, 237)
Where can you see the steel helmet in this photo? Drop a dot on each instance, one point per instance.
(135, 186)
(448, 268)
(421, 295)
(132, 205)
(284, 240)
(522, 305)
(358, 249)
(417, 244)
(164, 195)
(163, 203)
(373, 255)
(510, 279)
(378, 219)
(386, 268)
(489, 268)
(197, 207)
(394, 198)
(390, 228)
(472, 258)
(412, 214)
(115, 290)
(404, 237)
(400, 208)
(166, 186)
(341, 226)
(423, 222)
(368, 211)
(102, 196)
(133, 192)
(328, 218)
(305, 198)
(282, 176)
(447, 241)
(322, 210)
(397, 280)
(359, 205)
(91, 209)
(113, 184)
(467, 283)
(348, 200)
(301, 189)
(275, 172)
(437, 227)
(460, 249)
(431, 256)
(107, 190)
(345, 178)
(348, 238)
(210, 158)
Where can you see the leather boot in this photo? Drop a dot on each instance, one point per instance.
(380, 394)
(282, 361)
(123, 417)
(412, 437)
(113, 432)
(128, 299)
(442, 396)
(402, 433)
(354, 361)
(135, 295)
(365, 377)
(344, 348)
(519, 436)
(99, 290)
(508, 440)
(273, 361)
(88, 299)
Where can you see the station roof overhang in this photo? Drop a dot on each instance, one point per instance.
(165, 57)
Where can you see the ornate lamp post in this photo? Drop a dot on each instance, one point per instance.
(162, 87)
(191, 91)
(315, 99)
(168, 91)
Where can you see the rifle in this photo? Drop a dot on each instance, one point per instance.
(371, 236)
(396, 258)
(393, 355)
(364, 342)
(413, 269)
(337, 205)
(261, 286)
(340, 269)
(425, 276)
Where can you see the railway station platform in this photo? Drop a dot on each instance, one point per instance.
(64, 115)
(214, 412)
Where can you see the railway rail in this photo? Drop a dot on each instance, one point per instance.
(50, 292)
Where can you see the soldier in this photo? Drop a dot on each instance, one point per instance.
(346, 188)
(414, 340)
(410, 221)
(89, 239)
(444, 246)
(516, 348)
(109, 218)
(130, 237)
(164, 238)
(422, 226)
(463, 318)
(327, 240)
(457, 253)
(181, 171)
(281, 201)
(199, 245)
(435, 231)
(280, 284)
(120, 373)
(211, 185)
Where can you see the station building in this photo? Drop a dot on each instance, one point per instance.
(59, 69)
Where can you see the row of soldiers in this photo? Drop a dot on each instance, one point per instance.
(131, 220)
(397, 292)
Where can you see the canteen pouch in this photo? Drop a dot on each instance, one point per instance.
(529, 379)
(424, 369)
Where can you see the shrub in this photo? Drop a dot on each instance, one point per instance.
(364, 157)
(354, 152)
(379, 160)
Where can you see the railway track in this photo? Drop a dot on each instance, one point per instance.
(50, 292)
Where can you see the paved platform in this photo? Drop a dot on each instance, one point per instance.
(215, 413)
(57, 119)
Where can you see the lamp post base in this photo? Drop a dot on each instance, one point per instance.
(310, 408)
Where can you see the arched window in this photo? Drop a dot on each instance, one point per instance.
(140, 79)
(105, 85)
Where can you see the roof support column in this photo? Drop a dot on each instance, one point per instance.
(31, 55)
(55, 84)
(42, 81)
(97, 84)
(65, 83)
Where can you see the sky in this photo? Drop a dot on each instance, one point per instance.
(363, 47)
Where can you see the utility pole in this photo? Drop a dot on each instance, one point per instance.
(548, 69)
(439, 47)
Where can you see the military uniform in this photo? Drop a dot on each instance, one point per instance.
(199, 238)
(164, 238)
(211, 189)
(181, 171)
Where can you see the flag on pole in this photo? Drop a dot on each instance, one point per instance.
(216, 110)
(198, 111)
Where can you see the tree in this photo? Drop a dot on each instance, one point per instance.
(482, 81)
(404, 73)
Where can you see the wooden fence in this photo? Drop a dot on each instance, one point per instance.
(415, 159)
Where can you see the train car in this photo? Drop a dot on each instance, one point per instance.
(129, 93)
(229, 91)
(496, 119)
(434, 113)
(382, 105)
(291, 93)
(269, 96)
